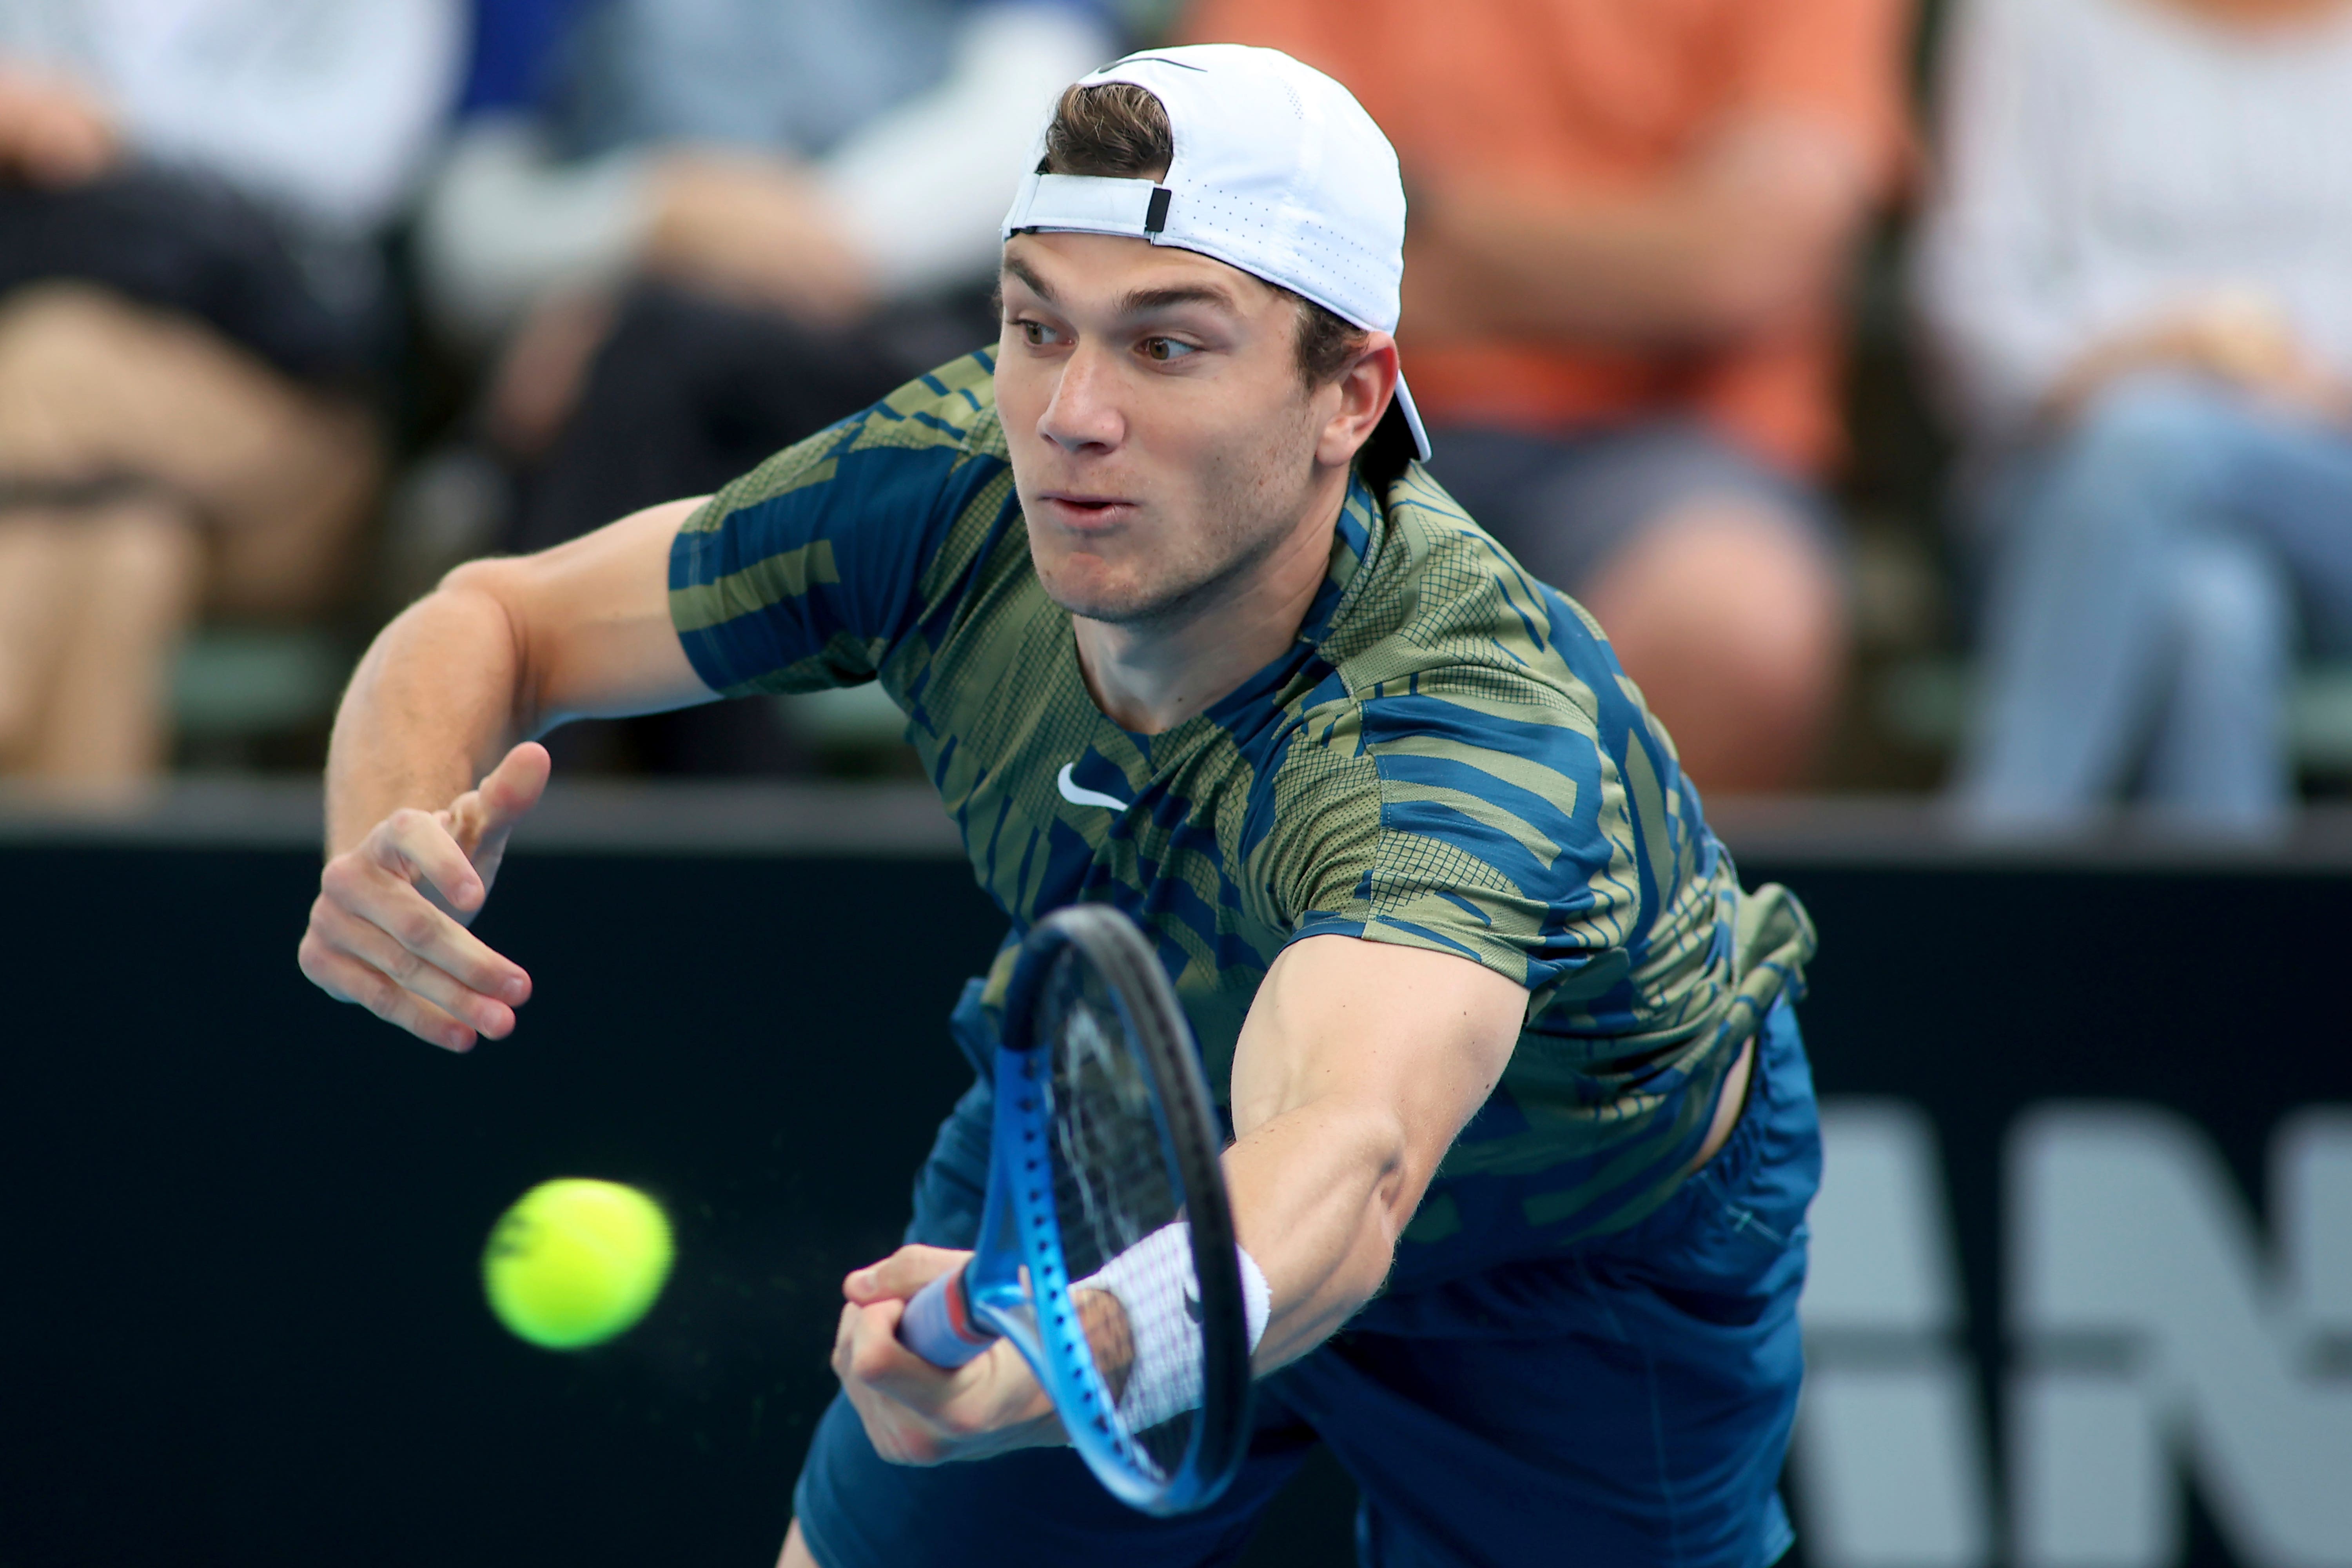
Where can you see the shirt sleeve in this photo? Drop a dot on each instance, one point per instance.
(1556, 846)
(1502, 831)
(808, 570)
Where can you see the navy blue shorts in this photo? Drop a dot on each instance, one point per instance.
(1625, 1402)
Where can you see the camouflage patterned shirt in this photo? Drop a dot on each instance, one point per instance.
(1448, 757)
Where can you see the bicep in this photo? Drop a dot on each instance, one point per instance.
(1419, 1035)
(592, 620)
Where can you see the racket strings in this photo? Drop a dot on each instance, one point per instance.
(1115, 1182)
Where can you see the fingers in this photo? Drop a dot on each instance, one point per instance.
(377, 939)
(418, 847)
(900, 1275)
(376, 889)
(345, 978)
(918, 1414)
(346, 933)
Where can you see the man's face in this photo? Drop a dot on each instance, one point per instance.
(1162, 441)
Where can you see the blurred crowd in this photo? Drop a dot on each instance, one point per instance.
(303, 300)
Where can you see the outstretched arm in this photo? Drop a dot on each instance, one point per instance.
(501, 651)
(1359, 1064)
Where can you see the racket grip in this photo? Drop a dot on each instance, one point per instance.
(937, 1324)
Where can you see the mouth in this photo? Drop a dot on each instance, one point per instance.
(1084, 513)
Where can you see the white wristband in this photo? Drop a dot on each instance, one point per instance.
(1156, 1284)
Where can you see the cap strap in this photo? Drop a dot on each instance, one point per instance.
(1089, 203)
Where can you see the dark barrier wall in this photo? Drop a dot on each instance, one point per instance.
(238, 1302)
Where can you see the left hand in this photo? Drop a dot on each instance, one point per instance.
(915, 1413)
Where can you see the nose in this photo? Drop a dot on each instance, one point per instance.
(1085, 412)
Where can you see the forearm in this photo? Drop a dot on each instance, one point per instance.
(1635, 272)
(432, 706)
(1751, 234)
(501, 651)
(1319, 1196)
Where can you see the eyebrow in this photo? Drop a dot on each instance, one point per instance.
(1139, 301)
(1036, 284)
(1142, 301)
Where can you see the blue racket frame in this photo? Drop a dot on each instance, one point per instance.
(1020, 1233)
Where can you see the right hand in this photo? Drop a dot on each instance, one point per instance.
(918, 1414)
(388, 929)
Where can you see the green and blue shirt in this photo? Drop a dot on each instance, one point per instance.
(1448, 758)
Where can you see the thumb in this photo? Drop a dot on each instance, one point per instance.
(899, 1275)
(514, 786)
(482, 817)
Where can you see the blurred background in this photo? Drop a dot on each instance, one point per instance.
(1946, 407)
(1944, 401)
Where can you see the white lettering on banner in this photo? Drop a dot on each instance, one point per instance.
(2150, 1333)
(1890, 1461)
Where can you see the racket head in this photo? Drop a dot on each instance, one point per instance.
(1104, 1135)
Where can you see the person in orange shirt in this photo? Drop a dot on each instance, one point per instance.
(1630, 222)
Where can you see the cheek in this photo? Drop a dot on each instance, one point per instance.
(1021, 392)
(1263, 451)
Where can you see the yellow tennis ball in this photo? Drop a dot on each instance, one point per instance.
(576, 1261)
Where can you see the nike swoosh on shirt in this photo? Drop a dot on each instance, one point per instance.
(1079, 794)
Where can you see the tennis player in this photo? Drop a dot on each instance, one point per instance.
(1525, 1134)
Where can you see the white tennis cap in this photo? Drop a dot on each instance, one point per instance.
(1278, 170)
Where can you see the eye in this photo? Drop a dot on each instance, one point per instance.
(1164, 351)
(1036, 334)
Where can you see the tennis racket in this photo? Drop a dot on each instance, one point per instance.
(1105, 1162)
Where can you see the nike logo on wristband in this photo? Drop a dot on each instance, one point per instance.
(1079, 794)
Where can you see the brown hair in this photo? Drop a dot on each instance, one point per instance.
(1119, 131)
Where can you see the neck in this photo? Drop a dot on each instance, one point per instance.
(1151, 677)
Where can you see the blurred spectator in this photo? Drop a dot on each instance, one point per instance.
(2139, 276)
(725, 224)
(188, 307)
(1630, 221)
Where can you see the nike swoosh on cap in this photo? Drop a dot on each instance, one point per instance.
(1079, 794)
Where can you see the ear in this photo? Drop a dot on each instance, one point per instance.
(1364, 389)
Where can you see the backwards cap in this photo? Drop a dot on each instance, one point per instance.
(1277, 171)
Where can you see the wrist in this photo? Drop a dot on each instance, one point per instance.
(1155, 1345)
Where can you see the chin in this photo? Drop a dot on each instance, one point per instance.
(1108, 606)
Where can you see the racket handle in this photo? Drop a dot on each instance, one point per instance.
(937, 1324)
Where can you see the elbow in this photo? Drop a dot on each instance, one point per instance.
(490, 598)
(1398, 1182)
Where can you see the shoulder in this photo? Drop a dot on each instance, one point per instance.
(862, 533)
(1446, 616)
(1477, 747)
